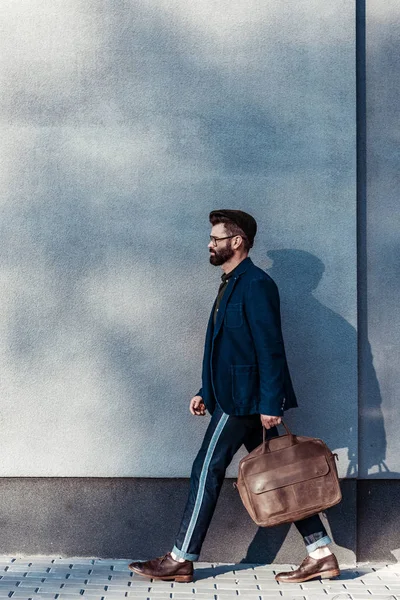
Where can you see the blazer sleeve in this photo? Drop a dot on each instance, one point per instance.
(200, 392)
(262, 308)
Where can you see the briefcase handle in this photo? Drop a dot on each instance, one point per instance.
(266, 441)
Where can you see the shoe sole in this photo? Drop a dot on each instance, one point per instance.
(177, 578)
(322, 574)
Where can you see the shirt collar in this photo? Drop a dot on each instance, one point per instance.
(226, 276)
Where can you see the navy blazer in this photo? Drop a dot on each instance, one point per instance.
(244, 364)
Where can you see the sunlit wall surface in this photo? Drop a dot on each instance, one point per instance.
(379, 398)
(123, 123)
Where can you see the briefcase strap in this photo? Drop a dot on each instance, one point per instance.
(266, 441)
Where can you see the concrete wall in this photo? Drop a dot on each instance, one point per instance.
(122, 124)
(380, 351)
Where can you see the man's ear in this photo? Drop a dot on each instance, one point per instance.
(240, 242)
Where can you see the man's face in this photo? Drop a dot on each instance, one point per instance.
(223, 251)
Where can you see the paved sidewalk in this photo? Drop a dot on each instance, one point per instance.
(95, 579)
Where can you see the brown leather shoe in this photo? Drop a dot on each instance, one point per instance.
(311, 568)
(165, 568)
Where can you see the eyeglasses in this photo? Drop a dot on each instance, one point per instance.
(214, 240)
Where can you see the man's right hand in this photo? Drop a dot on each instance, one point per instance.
(197, 406)
(270, 421)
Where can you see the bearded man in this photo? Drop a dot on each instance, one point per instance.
(246, 386)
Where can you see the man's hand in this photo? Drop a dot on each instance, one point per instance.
(269, 421)
(197, 406)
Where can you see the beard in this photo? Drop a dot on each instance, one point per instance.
(219, 257)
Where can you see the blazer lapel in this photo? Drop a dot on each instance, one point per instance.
(241, 268)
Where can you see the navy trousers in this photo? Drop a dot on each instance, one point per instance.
(224, 436)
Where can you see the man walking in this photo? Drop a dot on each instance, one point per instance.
(245, 385)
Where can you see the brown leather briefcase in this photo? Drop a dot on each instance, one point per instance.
(288, 478)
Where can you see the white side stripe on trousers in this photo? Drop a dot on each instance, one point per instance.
(202, 481)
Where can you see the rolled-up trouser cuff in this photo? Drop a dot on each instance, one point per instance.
(184, 555)
(321, 542)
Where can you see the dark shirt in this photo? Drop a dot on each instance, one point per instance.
(225, 278)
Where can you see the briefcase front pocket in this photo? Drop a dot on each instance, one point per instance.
(284, 487)
(291, 474)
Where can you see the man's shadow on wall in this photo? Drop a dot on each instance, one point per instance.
(321, 349)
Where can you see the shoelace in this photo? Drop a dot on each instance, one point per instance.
(164, 557)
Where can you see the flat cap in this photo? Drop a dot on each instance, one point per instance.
(246, 222)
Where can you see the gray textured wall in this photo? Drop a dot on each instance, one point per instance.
(379, 414)
(123, 124)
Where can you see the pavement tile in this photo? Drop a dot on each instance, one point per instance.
(293, 588)
(193, 593)
(121, 567)
(115, 596)
(293, 594)
(17, 570)
(263, 568)
(373, 589)
(140, 597)
(316, 585)
(98, 587)
(340, 596)
(162, 589)
(72, 597)
(219, 578)
(74, 578)
(363, 596)
(190, 589)
(44, 575)
(36, 596)
(186, 597)
(320, 595)
(9, 586)
(233, 585)
(238, 595)
(61, 589)
(331, 589)
(28, 594)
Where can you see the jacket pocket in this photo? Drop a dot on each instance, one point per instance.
(245, 383)
(234, 315)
